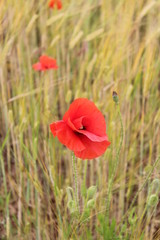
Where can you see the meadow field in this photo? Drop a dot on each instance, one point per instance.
(100, 46)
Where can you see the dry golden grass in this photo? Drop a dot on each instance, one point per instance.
(100, 46)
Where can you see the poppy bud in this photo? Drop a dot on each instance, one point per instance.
(153, 200)
(91, 203)
(91, 192)
(115, 97)
(72, 206)
(155, 185)
(70, 193)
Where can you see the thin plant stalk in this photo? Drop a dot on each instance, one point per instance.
(84, 178)
(74, 163)
(110, 185)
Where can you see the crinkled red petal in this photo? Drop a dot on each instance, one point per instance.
(67, 136)
(59, 4)
(91, 136)
(93, 149)
(51, 3)
(38, 67)
(47, 61)
(92, 120)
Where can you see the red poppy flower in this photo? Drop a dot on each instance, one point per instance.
(52, 4)
(45, 63)
(83, 129)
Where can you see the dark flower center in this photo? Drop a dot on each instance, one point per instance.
(82, 128)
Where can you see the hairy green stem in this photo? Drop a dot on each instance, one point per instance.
(84, 179)
(74, 163)
(110, 185)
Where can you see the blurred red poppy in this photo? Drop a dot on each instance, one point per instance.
(83, 129)
(52, 4)
(45, 63)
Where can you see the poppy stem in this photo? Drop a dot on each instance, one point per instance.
(84, 189)
(74, 163)
(110, 184)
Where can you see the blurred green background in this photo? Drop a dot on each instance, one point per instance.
(100, 46)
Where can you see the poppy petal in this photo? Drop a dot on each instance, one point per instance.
(51, 4)
(37, 66)
(93, 137)
(78, 123)
(66, 136)
(93, 149)
(88, 134)
(78, 108)
(47, 61)
(59, 4)
(45, 64)
(95, 123)
(92, 120)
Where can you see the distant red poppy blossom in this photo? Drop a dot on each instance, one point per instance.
(45, 63)
(83, 129)
(58, 3)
